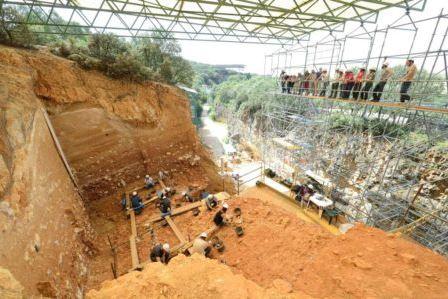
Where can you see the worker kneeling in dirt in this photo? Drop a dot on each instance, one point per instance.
(201, 245)
(137, 203)
(149, 182)
(211, 201)
(187, 197)
(160, 253)
(165, 206)
(123, 201)
(220, 216)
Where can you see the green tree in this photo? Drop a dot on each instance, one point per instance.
(166, 70)
(182, 71)
(13, 31)
(106, 47)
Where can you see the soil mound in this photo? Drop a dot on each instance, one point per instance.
(364, 263)
(193, 277)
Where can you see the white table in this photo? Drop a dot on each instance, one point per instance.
(321, 202)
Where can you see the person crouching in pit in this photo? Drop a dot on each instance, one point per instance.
(160, 253)
(201, 245)
(220, 216)
(149, 182)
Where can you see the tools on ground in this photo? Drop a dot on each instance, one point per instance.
(218, 244)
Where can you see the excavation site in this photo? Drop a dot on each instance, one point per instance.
(223, 149)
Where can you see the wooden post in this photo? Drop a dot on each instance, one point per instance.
(114, 255)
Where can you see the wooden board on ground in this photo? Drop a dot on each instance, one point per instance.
(133, 223)
(176, 229)
(145, 203)
(162, 184)
(178, 211)
(179, 248)
(134, 253)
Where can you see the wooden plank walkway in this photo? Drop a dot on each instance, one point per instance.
(176, 230)
(396, 105)
(178, 211)
(132, 241)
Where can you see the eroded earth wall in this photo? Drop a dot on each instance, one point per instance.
(45, 238)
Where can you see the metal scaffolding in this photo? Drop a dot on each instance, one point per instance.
(386, 163)
(248, 21)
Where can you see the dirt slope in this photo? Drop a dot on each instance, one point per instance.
(45, 239)
(278, 250)
(364, 263)
(195, 277)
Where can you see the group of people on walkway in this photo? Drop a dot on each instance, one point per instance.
(346, 85)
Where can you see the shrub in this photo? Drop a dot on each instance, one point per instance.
(12, 29)
(166, 71)
(127, 66)
(106, 47)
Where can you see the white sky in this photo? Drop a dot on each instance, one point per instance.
(252, 55)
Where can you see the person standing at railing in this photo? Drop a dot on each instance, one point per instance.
(283, 78)
(358, 83)
(306, 83)
(386, 74)
(341, 85)
(349, 81)
(290, 83)
(411, 70)
(317, 81)
(313, 83)
(335, 84)
(323, 83)
(368, 85)
(297, 84)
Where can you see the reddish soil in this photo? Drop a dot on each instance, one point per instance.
(195, 277)
(113, 130)
(365, 262)
(280, 249)
(109, 220)
(45, 237)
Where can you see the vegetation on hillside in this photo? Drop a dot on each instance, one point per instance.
(155, 57)
(243, 94)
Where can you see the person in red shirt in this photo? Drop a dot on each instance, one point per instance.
(349, 81)
(358, 83)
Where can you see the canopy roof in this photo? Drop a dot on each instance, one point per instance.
(249, 21)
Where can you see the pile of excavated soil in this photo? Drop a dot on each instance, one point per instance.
(193, 277)
(365, 262)
(368, 263)
(278, 248)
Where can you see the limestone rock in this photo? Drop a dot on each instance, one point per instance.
(5, 176)
(9, 287)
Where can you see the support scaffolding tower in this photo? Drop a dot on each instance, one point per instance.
(387, 162)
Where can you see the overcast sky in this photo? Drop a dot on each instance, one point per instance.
(252, 55)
